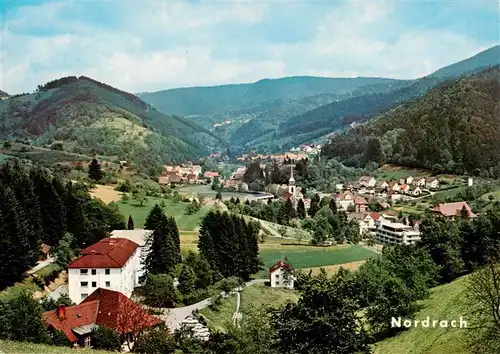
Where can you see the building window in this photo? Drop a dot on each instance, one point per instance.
(108, 284)
(94, 271)
(84, 271)
(94, 284)
(277, 283)
(87, 341)
(83, 295)
(277, 276)
(84, 284)
(107, 271)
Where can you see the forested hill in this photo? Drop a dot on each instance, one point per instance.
(478, 62)
(89, 117)
(453, 128)
(212, 99)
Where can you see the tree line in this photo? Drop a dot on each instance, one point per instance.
(38, 207)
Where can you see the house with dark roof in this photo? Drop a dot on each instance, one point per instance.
(112, 263)
(105, 308)
(452, 210)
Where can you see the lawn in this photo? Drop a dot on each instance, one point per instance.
(177, 210)
(14, 290)
(445, 302)
(252, 298)
(449, 192)
(11, 347)
(310, 256)
(48, 270)
(394, 172)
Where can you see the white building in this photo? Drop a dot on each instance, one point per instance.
(344, 200)
(111, 263)
(470, 182)
(139, 236)
(396, 233)
(432, 183)
(278, 276)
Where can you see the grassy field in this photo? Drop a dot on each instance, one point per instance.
(11, 347)
(312, 257)
(394, 172)
(449, 192)
(252, 298)
(333, 269)
(14, 290)
(445, 302)
(177, 210)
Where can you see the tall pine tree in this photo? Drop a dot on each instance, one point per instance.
(333, 206)
(301, 209)
(313, 209)
(95, 172)
(130, 224)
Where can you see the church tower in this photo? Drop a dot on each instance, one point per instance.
(291, 183)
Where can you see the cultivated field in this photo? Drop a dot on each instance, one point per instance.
(252, 298)
(177, 210)
(332, 269)
(106, 193)
(445, 302)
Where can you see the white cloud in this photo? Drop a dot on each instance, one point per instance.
(158, 45)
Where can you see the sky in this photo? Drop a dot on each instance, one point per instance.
(146, 46)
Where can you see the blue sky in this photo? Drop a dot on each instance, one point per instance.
(153, 45)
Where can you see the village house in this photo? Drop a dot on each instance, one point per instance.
(111, 263)
(431, 183)
(409, 180)
(416, 191)
(344, 200)
(281, 275)
(360, 204)
(366, 221)
(339, 187)
(139, 236)
(383, 185)
(394, 187)
(367, 181)
(211, 175)
(420, 182)
(103, 307)
(452, 210)
(44, 252)
(404, 188)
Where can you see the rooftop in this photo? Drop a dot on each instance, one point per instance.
(107, 253)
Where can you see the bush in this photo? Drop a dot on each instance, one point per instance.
(105, 338)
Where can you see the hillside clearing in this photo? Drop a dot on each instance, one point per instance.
(106, 193)
(252, 298)
(312, 257)
(177, 210)
(445, 302)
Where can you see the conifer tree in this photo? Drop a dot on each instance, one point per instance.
(130, 224)
(301, 209)
(52, 208)
(237, 201)
(269, 201)
(289, 211)
(175, 238)
(313, 209)
(95, 172)
(333, 206)
(186, 280)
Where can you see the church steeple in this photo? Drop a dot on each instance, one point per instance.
(291, 182)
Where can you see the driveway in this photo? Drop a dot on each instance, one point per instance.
(40, 265)
(173, 317)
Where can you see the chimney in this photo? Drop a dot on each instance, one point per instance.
(61, 312)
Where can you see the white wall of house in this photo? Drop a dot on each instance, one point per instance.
(278, 281)
(81, 283)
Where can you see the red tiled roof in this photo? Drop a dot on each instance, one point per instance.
(280, 264)
(107, 253)
(360, 201)
(103, 307)
(404, 186)
(211, 174)
(453, 209)
(76, 316)
(375, 216)
(287, 195)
